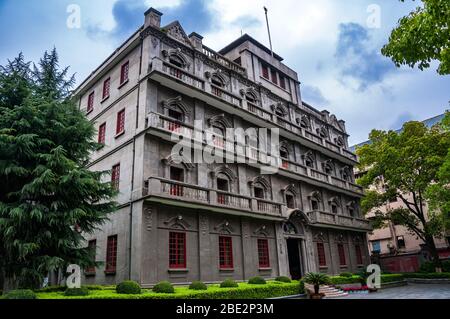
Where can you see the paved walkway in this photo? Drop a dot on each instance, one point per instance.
(411, 291)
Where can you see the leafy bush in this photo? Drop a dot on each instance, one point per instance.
(283, 279)
(429, 267)
(82, 291)
(20, 294)
(346, 274)
(257, 281)
(338, 280)
(164, 287)
(301, 289)
(128, 287)
(197, 285)
(229, 283)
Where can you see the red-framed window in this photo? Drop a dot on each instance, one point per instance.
(102, 133)
(111, 254)
(90, 106)
(263, 253)
(115, 176)
(124, 72)
(359, 259)
(265, 71)
(225, 252)
(283, 82)
(177, 250)
(341, 252)
(274, 76)
(106, 88)
(321, 254)
(92, 245)
(120, 127)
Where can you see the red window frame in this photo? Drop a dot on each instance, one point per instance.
(265, 71)
(225, 252)
(90, 106)
(102, 133)
(120, 125)
(263, 253)
(177, 250)
(283, 82)
(92, 245)
(341, 252)
(274, 77)
(106, 88)
(124, 72)
(321, 254)
(359, 259)
(115, 176)
(111, 254)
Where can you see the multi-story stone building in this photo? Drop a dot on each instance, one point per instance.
(394, 247)
(194, 221)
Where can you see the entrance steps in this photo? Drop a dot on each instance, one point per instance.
(328, 291)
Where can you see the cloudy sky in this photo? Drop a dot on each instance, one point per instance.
(330, 43)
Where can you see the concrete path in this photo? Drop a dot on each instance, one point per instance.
(411, 291)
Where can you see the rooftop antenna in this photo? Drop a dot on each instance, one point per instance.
(268, 31)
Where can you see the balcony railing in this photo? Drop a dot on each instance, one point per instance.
(326, 218)
(228, 97)
(161, 187)
(213, 55)
(252, 153)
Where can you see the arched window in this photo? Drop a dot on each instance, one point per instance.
(346, 174)
(251, 97)
(304, 122)
(314, 201)
(218, 81)
(352, 209)
(290, 200)
(289, 228)
(223, 184)
(309, 160)
(334, 204)
(259, 191)
(323, 132)
(177, 61)
(284, 155)
(328, 167)
(339, 141)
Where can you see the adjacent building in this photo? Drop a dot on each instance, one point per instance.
(183, 220)
(394, 247)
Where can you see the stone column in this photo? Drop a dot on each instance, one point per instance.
(247, 250)
(149, 248)
(283, 260)
(204, 246)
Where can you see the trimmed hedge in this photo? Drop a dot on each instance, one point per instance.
(429, 267)
(346, 274)
(245, 291)
(283, 279)
(257, 281)
(339, 280)
(128, 287)
(82, 291)
(433, 275)
(164, 287)
(20, 294)
(229, 283)
(197, 285)
(385, 278)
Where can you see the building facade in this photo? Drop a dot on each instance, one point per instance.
(394, 247)
(183, 220)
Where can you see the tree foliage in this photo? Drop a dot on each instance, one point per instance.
(48, 197)
(422, 36)
(407, 166)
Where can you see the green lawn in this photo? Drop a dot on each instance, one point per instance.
(244, 291)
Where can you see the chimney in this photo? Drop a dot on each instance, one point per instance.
(196, 40)
(152, 18)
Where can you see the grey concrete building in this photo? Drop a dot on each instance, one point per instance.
(185, 221)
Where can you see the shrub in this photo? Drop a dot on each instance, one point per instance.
(164, 287)
(197, 285)
(20, 294)
(429, 267)
(339, 280)
(433, 275)
(301, 288)
(82, 291)
(128, 287)
(346, 274)
(316, 279)
(283, 279)
(228, 283)
(257, 281)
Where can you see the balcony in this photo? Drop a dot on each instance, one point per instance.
(164, 127)
(326, 219)
(196, 87)
(192, 196)
(213, 55)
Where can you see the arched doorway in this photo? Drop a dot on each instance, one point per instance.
(295, 236)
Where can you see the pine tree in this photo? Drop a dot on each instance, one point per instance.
(48, 197)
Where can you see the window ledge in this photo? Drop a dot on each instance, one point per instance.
(110, 272)
(119, 134)
(177, 270)
(89, 112)
(226, 269)
(323, 267)
(104, 99)
(265, 268)
(89, 273)
(124, 83)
